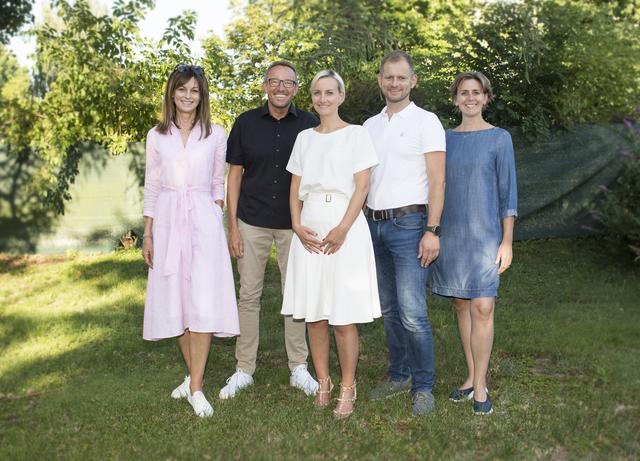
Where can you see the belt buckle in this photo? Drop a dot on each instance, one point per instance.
(384, 215)
(327, 198)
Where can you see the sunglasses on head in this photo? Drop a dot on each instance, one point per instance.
(186, 68)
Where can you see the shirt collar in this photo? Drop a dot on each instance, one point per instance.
(292, 110)
(196, 128)
(403, 113)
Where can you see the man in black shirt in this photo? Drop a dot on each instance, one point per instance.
(258, 151)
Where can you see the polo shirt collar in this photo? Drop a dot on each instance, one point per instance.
(403, 113)
(292, 110)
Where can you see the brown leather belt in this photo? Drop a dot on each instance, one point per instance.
(381, 215)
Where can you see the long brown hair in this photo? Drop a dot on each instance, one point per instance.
(181, 75)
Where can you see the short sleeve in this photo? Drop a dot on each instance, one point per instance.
(295, 161)
(432, 135)
(506, 171)
(235, 155)
(364, 155)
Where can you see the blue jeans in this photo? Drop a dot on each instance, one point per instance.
(402, 285)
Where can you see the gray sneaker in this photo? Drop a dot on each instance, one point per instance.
(389, 388)
(423, 403)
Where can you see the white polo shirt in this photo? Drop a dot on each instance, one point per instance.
(401, 142)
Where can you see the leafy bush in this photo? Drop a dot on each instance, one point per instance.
(553, 63)
(556, 63)
(619, 208)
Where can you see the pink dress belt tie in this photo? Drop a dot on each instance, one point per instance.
(181, 229)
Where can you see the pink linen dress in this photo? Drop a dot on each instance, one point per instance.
(191, 283)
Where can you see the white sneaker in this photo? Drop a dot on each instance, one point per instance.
(200, 404)
(301, 379)
(235, 382)
(182, 391)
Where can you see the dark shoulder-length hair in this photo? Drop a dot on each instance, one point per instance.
(181, 75)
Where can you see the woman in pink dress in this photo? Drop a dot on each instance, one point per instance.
(190, 289)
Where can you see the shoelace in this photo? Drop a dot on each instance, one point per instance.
(236, 377)
(307, 378)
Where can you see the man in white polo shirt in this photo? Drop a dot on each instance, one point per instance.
(403, 211)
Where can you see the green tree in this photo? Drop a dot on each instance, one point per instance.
(21, 213)
(13, 15)
(553, 63)
(556, 63)
(618, 207)
(348, 36)
(102, 85)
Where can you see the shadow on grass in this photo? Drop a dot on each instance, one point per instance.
(88, 340)
(104, 339)
(15, 330)
(11, 264)
(108, 274)
(16, 264)
(105, 390)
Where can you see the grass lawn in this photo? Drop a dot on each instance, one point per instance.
(78, 382)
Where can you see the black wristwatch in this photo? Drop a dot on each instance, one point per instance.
(435, 229)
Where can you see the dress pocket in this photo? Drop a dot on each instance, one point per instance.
(218, 211)
(206, 219)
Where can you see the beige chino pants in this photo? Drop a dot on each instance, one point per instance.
(257, 243)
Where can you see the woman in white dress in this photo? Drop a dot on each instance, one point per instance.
(331, 275)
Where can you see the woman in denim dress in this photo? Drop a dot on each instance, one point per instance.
(477, 229)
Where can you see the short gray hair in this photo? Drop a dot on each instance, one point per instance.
(328, 73)
(280, 63)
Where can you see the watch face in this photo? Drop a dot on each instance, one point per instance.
(435, 229)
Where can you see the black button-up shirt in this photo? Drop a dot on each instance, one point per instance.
(262, 145)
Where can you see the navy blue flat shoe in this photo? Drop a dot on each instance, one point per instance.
(482, 408)
(461, 395)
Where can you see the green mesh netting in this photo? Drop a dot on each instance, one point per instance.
(557, 179)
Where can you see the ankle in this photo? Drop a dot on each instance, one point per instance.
(480, 393)
(348, 392)
(346, 401)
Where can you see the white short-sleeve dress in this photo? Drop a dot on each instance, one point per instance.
(341, 288)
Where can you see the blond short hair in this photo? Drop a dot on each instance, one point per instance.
(325, 74)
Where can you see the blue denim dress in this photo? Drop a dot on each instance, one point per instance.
(480, 192)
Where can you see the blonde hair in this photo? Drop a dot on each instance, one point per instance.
(181, 75)
(325, 74)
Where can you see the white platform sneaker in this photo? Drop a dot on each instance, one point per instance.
(235, 382)
(200, 404)
(301, 379)
(182, 391)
